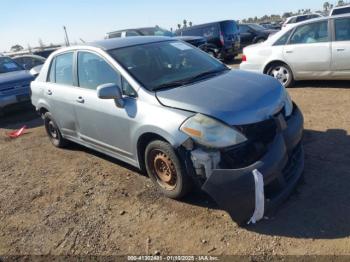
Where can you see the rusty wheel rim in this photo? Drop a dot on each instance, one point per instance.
(163, 169)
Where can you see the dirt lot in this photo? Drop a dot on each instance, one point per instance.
(75, 201)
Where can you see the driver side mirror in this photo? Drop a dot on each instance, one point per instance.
(111, 91)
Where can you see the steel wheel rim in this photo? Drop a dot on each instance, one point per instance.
(163, 169)
(52, 130)
(281, 73)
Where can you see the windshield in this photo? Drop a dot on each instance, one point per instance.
(257, 27)
(157, 31)
(8, 65)
(166, 64)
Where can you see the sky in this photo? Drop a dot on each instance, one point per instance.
(25, 22)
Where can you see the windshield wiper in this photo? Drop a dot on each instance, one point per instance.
(190, 79)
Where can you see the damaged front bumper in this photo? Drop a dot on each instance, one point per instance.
(281, 166)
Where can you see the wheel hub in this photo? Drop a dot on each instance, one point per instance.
(164, 169)
(52, 129)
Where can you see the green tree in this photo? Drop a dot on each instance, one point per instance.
(326, 6)
(16, 48)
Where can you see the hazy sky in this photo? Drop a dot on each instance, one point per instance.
(24, 22)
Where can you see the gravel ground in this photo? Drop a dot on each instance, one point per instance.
(76, 201)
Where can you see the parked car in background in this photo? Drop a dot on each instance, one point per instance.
(222, 37)
(272, 26)
(312, 50)
(340, 10)
(253, 34)
(196, 41)
(29, 61)
(14, 83)
(299, 18)
(180, 115)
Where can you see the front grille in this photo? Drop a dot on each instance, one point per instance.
(259, 136)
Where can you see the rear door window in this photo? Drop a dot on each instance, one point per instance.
(342, 29)
(283, 39)
(311, 33)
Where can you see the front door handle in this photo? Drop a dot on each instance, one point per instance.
(49, 92)
(80, 100)
(341, 49)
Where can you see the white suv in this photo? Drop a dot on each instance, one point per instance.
(339, 10)
(299, 18)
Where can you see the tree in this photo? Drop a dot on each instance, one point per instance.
(41, 44)
(326, 6)
(16, 48)
(185, 23)
(179, 26)
(190, 23)
(340, 3)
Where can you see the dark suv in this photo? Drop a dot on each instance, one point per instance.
(196, 41)
(222, 37)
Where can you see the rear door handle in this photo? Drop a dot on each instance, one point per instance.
(49, 92)
(341, 49)
(289, 52)
(80, 100)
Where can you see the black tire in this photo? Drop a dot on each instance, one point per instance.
(53, 131)
(285, 68)
(159, 157)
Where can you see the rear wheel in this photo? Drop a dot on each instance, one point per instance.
(164, 168)
(282, 73)
(53, 132)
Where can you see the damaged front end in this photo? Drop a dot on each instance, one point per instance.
(254, 177)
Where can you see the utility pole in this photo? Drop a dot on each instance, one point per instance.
(66, 38)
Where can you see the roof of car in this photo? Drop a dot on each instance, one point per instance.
(114, 43)
(203, 25)
(342, 6)
(134, 28)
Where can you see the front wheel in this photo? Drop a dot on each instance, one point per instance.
(282, 73)
(165, 170)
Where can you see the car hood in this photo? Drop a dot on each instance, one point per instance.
(235, 97)
(14, 77)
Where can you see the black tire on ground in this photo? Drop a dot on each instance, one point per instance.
(166, 171)
(53, 131)
(284, 70)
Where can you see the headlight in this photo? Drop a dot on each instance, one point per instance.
(288, 104)
(210, 132)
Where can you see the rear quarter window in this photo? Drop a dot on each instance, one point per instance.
(283, 39)
(61, 69)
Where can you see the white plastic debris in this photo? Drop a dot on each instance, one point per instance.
(259, 197)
